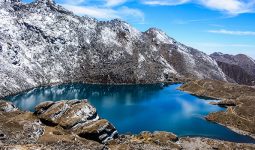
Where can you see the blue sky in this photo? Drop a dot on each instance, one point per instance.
(227, 26)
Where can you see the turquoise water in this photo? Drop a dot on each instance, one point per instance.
(136, 108)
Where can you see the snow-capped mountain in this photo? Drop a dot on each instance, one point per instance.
(42, 43)
(240, 68)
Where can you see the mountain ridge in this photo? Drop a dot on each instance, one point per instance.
(42, 43)
(240, 67)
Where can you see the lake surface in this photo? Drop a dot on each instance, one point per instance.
(136, 108)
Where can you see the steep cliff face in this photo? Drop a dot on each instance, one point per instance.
(240, 68)
(42, 43)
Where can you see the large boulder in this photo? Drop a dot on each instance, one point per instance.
(100, 130)
(67, 114)
(78, 116)
(24, 130)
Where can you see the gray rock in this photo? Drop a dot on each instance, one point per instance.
(100, 130)
(52, 115)
(66, 113)
(42, 107)
(2, 136)
(7, 106)
(78, 112)
(77, 116)
(23, 130)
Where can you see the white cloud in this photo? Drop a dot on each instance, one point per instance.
(164, 2)
(115, 2)
(104, 9)
(129, 14)
(100, 13)
(232, 7)
(223, 31)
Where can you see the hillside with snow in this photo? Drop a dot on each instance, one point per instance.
(42, 43)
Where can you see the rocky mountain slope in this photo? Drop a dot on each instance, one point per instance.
(41, 43)
(240, 68)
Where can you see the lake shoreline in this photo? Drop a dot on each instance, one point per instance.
(66, 90)
(198, 87)
(16, 122)
(201, 139)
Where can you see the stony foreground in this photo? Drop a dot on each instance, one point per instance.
(75, 125)
(239, 100)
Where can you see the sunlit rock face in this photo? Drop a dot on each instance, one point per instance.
(78, 116)
(42, 43)
(66, 113)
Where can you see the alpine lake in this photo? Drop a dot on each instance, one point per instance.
(136, 108)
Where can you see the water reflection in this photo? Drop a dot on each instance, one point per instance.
(136, 108)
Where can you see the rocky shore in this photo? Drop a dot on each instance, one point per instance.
(75, 125)
(239, 100)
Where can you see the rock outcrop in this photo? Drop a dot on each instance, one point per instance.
(100, 130)
(240, 68)
(225, 103)
(79, 117)
(67, 114)
(23, 130)
(63, 124)
(42, 43)
(239, 100)
(7, 106)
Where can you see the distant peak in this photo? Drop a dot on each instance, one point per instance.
(241, 55)
(217, 53)
(154, 30)
(160, 36)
